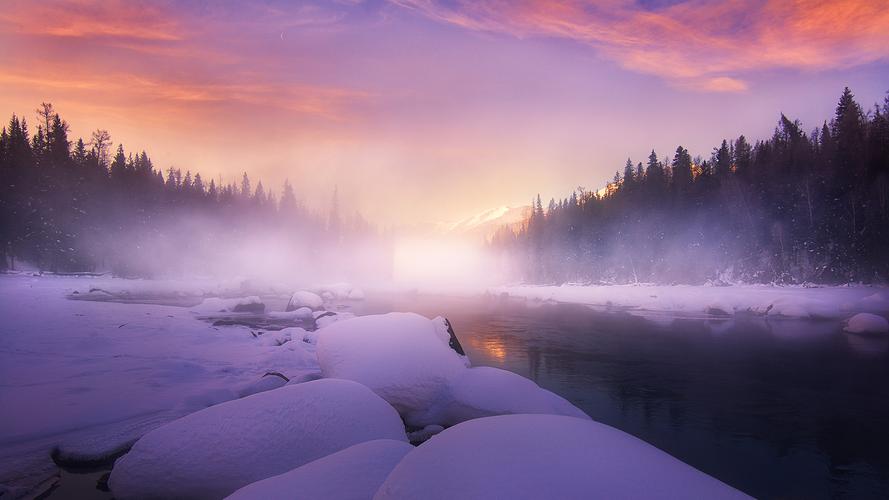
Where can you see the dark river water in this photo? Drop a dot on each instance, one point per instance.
(775, 408)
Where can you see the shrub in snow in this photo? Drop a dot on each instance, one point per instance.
(866, 323)
(304, 298)
(544, 456)
(351, 474)
(403, 357)
(215, 451)
(484, 391)
(240, 304)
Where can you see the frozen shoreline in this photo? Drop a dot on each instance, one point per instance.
(114, 371)
(838, 302)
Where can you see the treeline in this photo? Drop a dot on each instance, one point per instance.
(796, 208)
(87, 207)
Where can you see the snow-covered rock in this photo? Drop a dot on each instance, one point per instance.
(280, 337)
(298, 313)
(215, 451)
(336, 290)
(356, 294)
(304, 298)
(866, 323)
(329, 317)
(544, 456)
(484, 391)
(422, 435)
(351, 474)
(400, 356)
(267, 382)
(240, 304)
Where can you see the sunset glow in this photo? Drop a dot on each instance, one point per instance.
(485, 101)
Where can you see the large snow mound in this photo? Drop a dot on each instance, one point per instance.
(351, 474)
(866, 323)
(544, 456)
(215, 451)
(401, 356)
(303, 298)
(484, 391)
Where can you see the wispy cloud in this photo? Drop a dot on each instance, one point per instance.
(185, 54)
(90, 19)
(698, 44)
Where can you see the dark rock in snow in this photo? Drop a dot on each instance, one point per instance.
(254, 307)
(454, 343)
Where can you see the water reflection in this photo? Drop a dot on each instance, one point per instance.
(777, 408)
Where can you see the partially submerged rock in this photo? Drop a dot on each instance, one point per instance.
(867, 324)
(351, 474)
(544, 456)
(304, 298)
(215, 451)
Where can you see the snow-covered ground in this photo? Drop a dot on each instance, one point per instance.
(82, 380)
(88, 378)
(778, 301)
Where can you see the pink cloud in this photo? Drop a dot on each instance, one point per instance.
(695, 44)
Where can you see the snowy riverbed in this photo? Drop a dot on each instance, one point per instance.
(85, 378)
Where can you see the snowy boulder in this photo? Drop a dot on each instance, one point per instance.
(484, 392)
(219, 305)
(544, 456)
(356, 294)
(355, 473)
(403, 357)
(867, 324)
(213, 452)
(337, 290)
(303, 298)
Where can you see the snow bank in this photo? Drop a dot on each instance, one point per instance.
(544, 456)
(866, 323)
(303, 298)
(400, 356)
(351, 474)
(215, 451)
(299, 313)
(411, 363)
(220, 305)
(785, 301)
(485, 391)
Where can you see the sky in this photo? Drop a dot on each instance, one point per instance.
(424, 111)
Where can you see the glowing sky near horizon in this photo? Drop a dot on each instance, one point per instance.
(422, 110)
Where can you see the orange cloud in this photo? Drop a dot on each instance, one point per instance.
(696, 44)
(89, 19)
(142, 54)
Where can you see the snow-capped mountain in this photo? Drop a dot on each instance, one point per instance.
(486, 223)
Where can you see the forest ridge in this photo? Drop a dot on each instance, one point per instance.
(795, 208)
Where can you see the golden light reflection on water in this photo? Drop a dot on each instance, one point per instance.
(493, 348)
